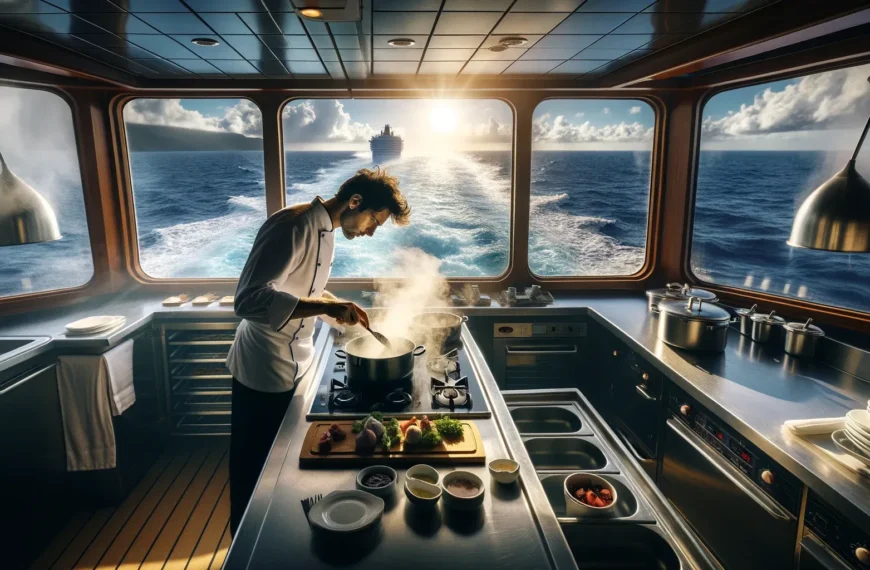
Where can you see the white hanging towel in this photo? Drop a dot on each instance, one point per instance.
(92, 389)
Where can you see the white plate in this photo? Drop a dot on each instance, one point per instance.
(859, 439)
(842, 441)
(104, 327)
(860, 419)
(347, 511)
(90, 324)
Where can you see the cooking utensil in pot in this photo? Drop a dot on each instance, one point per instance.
(677, 291)
(745, 316)
(381, 338)
(763, 326)
(370, 362)
(693, 325)
(801, 338)
(437, 325)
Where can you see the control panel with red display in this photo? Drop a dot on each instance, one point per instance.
(767, 475)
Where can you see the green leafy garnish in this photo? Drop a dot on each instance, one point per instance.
(357, 425)
(392, 433)
(448, 427)
(431, 437)
(378, 416)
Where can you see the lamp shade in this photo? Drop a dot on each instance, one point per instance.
(25, 216)
(836, 216)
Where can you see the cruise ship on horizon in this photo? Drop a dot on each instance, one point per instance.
(386, 145)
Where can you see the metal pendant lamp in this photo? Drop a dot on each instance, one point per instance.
(25, 216)
(836, 216)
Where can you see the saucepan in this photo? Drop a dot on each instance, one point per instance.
(368, 361)
(435, 325)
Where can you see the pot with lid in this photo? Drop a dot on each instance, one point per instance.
(801, 338)
(765, 325)
(694, 324)
(677, 291)
(745, 317)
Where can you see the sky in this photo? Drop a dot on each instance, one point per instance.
(824, 111)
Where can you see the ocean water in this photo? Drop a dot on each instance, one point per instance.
(198, 212)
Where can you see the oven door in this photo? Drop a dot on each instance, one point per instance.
(745, 529)
(526, 364)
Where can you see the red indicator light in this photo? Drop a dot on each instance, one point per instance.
(720, 435)
(745, 457)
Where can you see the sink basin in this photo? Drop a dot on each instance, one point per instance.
(545, 419)
(551, 453)
(626, 547)
(13, 346)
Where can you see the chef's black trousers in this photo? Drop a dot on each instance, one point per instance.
(255, 422)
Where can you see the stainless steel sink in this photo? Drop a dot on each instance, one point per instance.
(545, 419)
(626, 547)
(561, 453)
(15, 346)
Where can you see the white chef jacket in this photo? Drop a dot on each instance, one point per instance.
(291, 258)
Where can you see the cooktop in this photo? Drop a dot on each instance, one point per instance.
(439, 385)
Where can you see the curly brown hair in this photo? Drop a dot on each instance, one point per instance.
(379, 191)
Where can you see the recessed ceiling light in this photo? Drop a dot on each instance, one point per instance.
(497, 48)
(513, 41)
(205, 42)
(311, 13)
(401, 42)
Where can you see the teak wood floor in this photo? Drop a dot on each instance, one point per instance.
(176, 518)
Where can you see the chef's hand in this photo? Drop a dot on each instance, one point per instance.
(348, 313)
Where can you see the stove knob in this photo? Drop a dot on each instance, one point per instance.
(863, 555)
(615, 353)
(685, 409)
(644, 377)
(767, 476)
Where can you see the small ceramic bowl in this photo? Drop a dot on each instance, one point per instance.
(384, 491)
(504, 471)
(575, 507)
(415, 486)
(431, 474)
(462, 502)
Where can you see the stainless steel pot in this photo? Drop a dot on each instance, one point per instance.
(801, 338)
(446, 327)
(365, 367)
(763, 326)
(745, 317)
(677, 291)
(693, 324)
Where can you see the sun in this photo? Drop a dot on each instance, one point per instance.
(443, 118)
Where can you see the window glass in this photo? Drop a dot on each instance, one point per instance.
(763, 150)
(454, 167)
(198, 186)
(38, 144)
(590, 186)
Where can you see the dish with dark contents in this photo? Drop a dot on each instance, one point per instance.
(377, 480)
(463, 488)
(595, 496)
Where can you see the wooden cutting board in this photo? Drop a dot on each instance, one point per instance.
(465, 451)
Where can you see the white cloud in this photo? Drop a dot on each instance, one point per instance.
(243, 118)
(606, 110)
(560, 130)
(634, 110)
(820, 101)
(323, 120)
(578, 115)
(492, 131)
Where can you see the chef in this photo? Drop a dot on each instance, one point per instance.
(279, 297)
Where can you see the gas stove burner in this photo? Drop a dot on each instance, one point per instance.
(338, 384)
(450, 382)
(345, 399)
(444, 364)
(451, 398)
(398, 398)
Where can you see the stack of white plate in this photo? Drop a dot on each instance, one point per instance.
(94, 325)
(855, 438)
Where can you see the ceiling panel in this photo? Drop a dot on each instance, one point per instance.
(533, 40)
(528, 23)
(357, 69)
(485, 67)
(327, 54)
(234, 66)
(476, 5)
(288, 23)
(626, 41)
(279, 41)
(593, 23)
(466, 22)
(509, 54)
(455, 41)
(546, 5)
(448, 54)
(574, 41)
(297, 54)
(163, 46)
(577, 67)
(352, 55)
(395, 67)
(398, 54)
(440, 67)
(154, 5)
(235, 5)
(706, 6)
(381, 41)
(619, 5)
(261, 23)
(226, 23)
(176, 23)
(531, 67)
(403, 23)
(407, 5)
(560, 54)
(197, 66)
(335, 70)
(347, 42)
(250, 47)
(606, 54)
(270, 67)
(672, 23)
(29, 7)
(344, 28)
(119, 23)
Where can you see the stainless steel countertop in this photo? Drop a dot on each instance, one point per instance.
(753, 388)
(509, 531)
